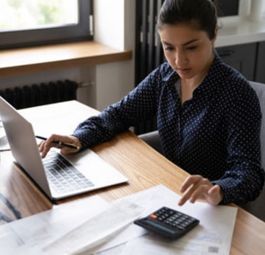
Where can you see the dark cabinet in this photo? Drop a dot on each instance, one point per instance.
(241, 57)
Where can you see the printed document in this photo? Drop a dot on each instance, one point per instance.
(213, 236)
(31, 233)
(93, 226)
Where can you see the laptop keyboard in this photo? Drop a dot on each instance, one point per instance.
(62, 175)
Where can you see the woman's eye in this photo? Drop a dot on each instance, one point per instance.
(191, 48)
(168, 48)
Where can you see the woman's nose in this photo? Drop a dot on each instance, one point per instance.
(180, 59)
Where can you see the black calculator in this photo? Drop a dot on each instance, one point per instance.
(168, 223)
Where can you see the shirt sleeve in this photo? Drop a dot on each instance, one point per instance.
(244, 178)
(139, 104)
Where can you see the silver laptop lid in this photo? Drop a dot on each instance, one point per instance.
(23, 145)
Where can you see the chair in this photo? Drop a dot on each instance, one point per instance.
(256, 207)
(152, 138)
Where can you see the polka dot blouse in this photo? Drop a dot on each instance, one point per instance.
(215, 134)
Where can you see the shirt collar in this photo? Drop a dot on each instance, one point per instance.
(168, 74)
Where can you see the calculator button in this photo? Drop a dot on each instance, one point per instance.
(153, 216)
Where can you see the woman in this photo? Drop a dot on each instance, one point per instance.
(208, 117)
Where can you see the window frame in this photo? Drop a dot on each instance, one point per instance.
(33, 37)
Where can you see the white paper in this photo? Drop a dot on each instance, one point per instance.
(68, 224)
(213, 235)
(96, 230)
(32, 233)
(156, 246)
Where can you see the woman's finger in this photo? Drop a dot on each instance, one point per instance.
(200, 193)
(191, 180)
(190, 185)
(215, 195)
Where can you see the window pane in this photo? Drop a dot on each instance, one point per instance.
(33, 14)
(37, 22)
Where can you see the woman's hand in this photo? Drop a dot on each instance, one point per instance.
(196, 187)
(58, 141)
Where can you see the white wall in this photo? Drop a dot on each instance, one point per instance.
(107, 83)
(115, 23)
(109, 22)
(115, 27)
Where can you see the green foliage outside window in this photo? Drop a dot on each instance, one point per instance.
(32, 14)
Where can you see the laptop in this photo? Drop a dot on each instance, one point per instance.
(87, 171)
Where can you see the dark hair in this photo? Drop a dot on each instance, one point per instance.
(201, 13)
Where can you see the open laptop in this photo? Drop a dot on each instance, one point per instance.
(94, 173)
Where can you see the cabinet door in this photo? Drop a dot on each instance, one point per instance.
(260, 68)
(241, 57)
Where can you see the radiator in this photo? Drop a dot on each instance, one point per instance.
(40, 94)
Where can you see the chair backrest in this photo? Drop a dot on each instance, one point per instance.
(257, 207)
(260, 91)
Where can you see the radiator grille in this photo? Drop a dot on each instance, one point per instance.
(40, 94)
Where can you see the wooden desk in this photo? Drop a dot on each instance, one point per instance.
(140, 163)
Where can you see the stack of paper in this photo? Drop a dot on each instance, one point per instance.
(92, 226)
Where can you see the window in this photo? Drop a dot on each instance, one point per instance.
(35, 22)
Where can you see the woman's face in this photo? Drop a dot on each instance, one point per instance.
(189, 51)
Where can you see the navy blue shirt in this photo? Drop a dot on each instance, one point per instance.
(215, 134)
